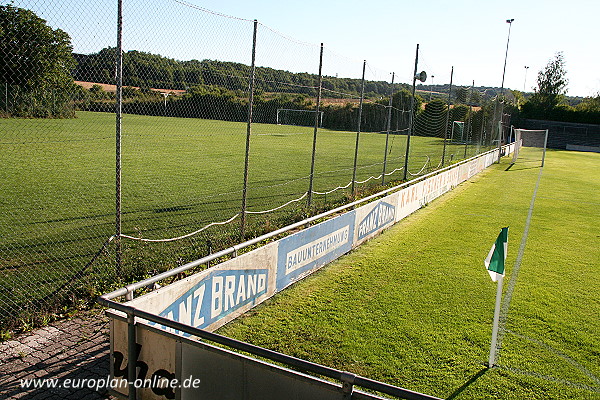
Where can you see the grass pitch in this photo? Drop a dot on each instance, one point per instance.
(178, 175)
(414, 306)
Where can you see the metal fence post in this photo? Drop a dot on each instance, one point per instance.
(314, 147)
(468, 129)
(447, 116)
(248, 132)
(482, 133)
(359, 122)
(118, 112)
(387, 135)
(500, 129)
(131, 356)
(411, 116)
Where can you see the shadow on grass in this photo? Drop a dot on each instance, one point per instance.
(521, 167)
(468, 383)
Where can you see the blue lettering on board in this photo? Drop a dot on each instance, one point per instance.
(313, 248)
(216, 296)
(381, 215)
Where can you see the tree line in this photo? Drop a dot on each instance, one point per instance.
(39, 68)
(147, 70)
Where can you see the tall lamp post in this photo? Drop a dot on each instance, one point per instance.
(431, 89)
(525, 81)
(509, 22)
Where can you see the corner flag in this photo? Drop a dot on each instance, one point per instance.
(494, 263)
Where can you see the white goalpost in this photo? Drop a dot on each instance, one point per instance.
(458, 130)
(530, 145)
(288, 116)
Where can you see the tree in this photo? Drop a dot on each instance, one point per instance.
(36, 64)
(590, 104)
(551, 84)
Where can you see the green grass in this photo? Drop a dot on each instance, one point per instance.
(58, 191)
(414, 306)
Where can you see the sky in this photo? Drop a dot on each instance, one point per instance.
(470, 36)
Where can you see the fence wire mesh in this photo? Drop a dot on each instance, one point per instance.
(194, 114)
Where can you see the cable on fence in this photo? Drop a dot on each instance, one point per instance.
(422, 169)
(183, 236)
(333, 190)
(280, 207)
(206, 10)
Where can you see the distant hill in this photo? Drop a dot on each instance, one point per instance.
(146, 70)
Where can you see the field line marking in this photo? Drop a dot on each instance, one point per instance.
(550, 378)
(515, 271)
(559, 354)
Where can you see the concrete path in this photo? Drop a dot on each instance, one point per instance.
(65, 353)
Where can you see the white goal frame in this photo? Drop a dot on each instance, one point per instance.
(460, 127)
(521, 140)
(300, 111)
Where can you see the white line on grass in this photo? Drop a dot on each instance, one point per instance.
(515, 271)
(559, 354)
(550, 378)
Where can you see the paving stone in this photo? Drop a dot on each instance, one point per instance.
(72, 349)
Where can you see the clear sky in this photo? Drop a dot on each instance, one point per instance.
(469, 35)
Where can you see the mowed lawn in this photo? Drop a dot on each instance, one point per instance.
(414, 306)
(178, 175)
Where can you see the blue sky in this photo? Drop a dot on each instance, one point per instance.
(469, 35)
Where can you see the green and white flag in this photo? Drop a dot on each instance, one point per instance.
(494, 263)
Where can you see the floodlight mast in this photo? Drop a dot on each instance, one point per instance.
(509, 22)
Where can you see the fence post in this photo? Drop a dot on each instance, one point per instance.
(482, 133)
(131, 356)
(448, 116)
(314, 147)
(387, 135)
(360, 107)
(411, 116)
(500, 128)
(468, 129)
(248, 132)
(118, 113)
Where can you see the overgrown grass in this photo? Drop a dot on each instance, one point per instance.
(414, 306)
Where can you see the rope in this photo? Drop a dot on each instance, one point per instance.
(422, 169)
(183, 236)
(277, 208)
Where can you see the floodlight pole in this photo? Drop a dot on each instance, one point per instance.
(431, 88)
(509, 22)
(411, 116)
(389, 128)
(359, 122)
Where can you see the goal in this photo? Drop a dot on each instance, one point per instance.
(458, 131)
(287, 116)
(530, 145)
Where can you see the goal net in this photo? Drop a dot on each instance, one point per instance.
(458, 131)
(287, 116)
(530, 146)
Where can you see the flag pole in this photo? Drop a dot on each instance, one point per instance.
(492, 358)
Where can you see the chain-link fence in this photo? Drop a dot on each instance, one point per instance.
(138, 138)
